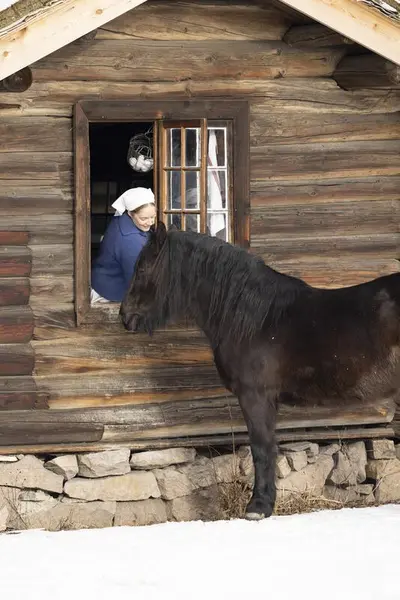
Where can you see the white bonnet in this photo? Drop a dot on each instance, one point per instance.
(133, 199)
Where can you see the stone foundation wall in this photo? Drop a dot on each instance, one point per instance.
(119, 487)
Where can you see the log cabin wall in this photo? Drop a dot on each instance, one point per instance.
(325, 177)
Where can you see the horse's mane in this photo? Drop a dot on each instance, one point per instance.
(243, 292)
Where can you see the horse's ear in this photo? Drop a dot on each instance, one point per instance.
(173, 227)
(160, 233)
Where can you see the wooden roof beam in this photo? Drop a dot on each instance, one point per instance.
(56, 27)
(357, 22)
(367, 71)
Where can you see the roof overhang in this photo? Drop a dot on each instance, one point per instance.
(65, 21)
(357, 21)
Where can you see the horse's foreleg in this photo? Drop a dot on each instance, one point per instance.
(259, 410)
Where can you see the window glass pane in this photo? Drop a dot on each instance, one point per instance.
(173, 147)
(192, 199)
(174, 190)
(216, 189)
(217, 225)
(175, 220)
(192, 147)
(217, 147)
(192, 223)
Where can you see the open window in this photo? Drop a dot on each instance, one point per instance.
(197, 168)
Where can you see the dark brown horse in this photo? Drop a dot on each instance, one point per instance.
(273, 336)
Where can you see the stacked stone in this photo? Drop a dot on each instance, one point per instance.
(117, 487)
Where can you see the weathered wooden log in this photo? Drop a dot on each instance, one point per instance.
(14, 238)
(18, 82)
(15, 261)
(277, 96)
(35, 197)
(119, 60)
(14, 291)
(36, 134)
(50, 228)
(230, 440)
(325, 161)
(16, 359)
(16, 324)
(50, 259)
(50, 166)
(314, 36)
(334, 218)
(198, 20)
(58, 433)
(19, 393)
(52, 289)
(367, 71)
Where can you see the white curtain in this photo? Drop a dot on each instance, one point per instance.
(216, 222)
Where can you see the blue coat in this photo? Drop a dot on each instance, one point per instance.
(119, 250)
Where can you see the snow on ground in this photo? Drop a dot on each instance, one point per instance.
(348, 554)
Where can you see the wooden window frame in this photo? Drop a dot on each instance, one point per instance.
(103, 111)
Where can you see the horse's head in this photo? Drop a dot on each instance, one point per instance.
(142, 308)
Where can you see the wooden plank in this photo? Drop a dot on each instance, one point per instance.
(14, 291)
(318, 435)
(54, 289)
(365, 247)
(363, 189)
(55, 27)
(14, 238)
(19, 393)
(50, 228)
(35, 196)
(138, 60)
(53, 316)
(15, 261)
(16, 359)
(278, 96)
(325, 161)
(39, 134)
(367, 71)
(16, 324)
(297, 127)
(19, 433)
(336, 272)
(198, 20)
(314, 36)
(53, 166)
(121, 352)
(335, 218)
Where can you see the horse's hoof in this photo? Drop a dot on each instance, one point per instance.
(253, 516)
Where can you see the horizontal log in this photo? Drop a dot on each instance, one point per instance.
(18, 82)
(336, 272)
(335, 218)
(35, 197)
(296, 127)
(15, 261)
(53, 166)
(278, 96)
(59, 317)
(52, 258)
(325, 161)
(19, 433)
(16, 324)
(197, 20)
(54, 289)
(42, 229)
(284, 192)
(14, 291)
(19, 393)
(364, 247)
(137, 353)
(36, 134)
(293, 435)
(367, 71)
(14, 238)
(314, 36)
(16, 359)
(137, 60)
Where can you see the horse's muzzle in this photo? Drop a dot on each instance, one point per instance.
(130, 322)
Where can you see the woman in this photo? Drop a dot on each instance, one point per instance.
(121, 245)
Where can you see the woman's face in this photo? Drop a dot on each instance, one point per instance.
(144, 217)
